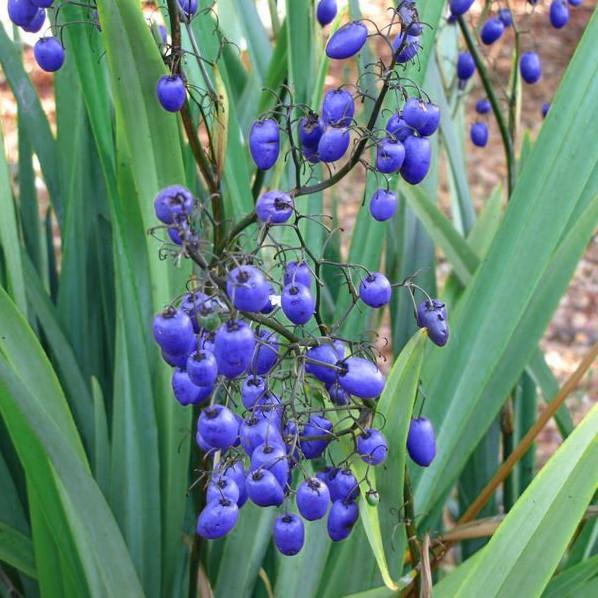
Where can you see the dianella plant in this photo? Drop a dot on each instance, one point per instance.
(227, 364)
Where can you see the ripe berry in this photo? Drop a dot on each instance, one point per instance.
(254, 432)
(426, 309)
(338, 395)
(247, 288)
(313, 498)
(397, 127)
(198, 306)
(460, 7)
(362, 378)
(338, 108)
(372, 447)
(264, 143)
(326, 12)
(236, 473)
(341, 519)
(218, 426)
(274, 207)
(390, 154)
(272, 457)
(266, 352)
(189, 7)
(418, 155)
(347, 40)
(479, 134)
(406, 46)
(342, 485)
(333, 144)
(311, 128)
(297, 303)
(289, 534)
(483, 106)
(263, 488)
(173, 331)
(173, 203)
(545, 109)
(42, 3)
(202, 368)
(221, 487)
(559, 13)
(432, 316)
(326, 354)
(575, 2)
(530, 67)
(297, 272)
(252, 389)
(316, 426)
(21, 12)
(421, 441)
(272, 301)
(431, 121)
(234, 344)
(37, 22)
(176, 361)
(268, 407)
(187, 393)
(49, 54)
(465, 66)
(506, 16)
(171, 92)
(414, 113)
(383, 205)
(375, 290)
(217, 519)
(492, 30)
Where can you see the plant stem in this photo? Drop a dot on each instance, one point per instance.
(410, 527)
(489, 89)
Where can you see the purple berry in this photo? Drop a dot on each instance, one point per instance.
(338, 108)
(575, 2)
(383, 205)
(297, 273)
(421, 441)
(372, 447)
(264, 489)
(347, 40)
(217, 519)
(530, 67)
(460, 7)
(289, 534)
(189, 7)
(42, 3)
(326, 12)
(316, 426)
(506, 16)
(177, 361)
(311, 128)
(234, 344)
(297, 303)
(397, 127)
(406, 46)
(264, 143)
(21, 12)
(266, 352)
(171, 92)
(218, 426)
(252, 389)
(247, 288)
(202, 368)
(333, 144)
(37, 22)
(362, 378)
(375, 290)
(187, 393)
(492, 30)
(173, 331)
(483, 106)
(433, 317)
(49, 54)
(545, 109)
(342, 485)
(390, 154)
(313, 498)
(427, 308)
(254, 432)
(338, 395)
(236, 473)
(326, 354)
(431, 120)
(221, 487)
(341, 519)
(273, 458)
(465, 66)
(559, 13)
(173, 204)
(274, 207)
(479, 134)
(418, 155)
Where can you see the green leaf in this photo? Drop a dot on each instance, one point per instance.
(571, 581)
(527, 547)
(16, 549)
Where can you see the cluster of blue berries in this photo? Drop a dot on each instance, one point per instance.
(274, 387)
(30, 15)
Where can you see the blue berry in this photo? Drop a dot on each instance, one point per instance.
(222, 487)
(397, 127)
(575, 2)
(338, 108)
(383, 205)
(218, 426)
(479, 134)
(264, 489)
(316, 426)
(432, 316)
(202, 368)
(187, 393)
(254, 432)
(274, 207)
(414, 113)
(313, 498)
(217, 519)
(247, 288)
(264, 143)
(362, 378)
(333, 144)
(289, 534)
(347, 41)
(372, 447)
(236, 473)
(342, 485)
(173, 331)
(42, 3)
(49, 54)
(266, 352)
(297, 303)
(268, 407)
(421, 441)
(492, 30)
(37, 22)
(171, 92)
(272, 457)
(465, 66)
(234, 344)
(431, 120)
(428, 308)
(176, 361)
(189, 7)
(252, 389)
(418, 155)
(390, 154)
(21, 12)
(173, 204)
(506, 16)
(545, 109)
(341, 519)
(297, 273)
(375, 290)
(559, 13)
(483, 106)
(460, 7)
(311, 128)
(530, 67)
(406, 46)
(338, 395)
(326, 354)
(326, 12)
(197, 305)
(270, 306)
